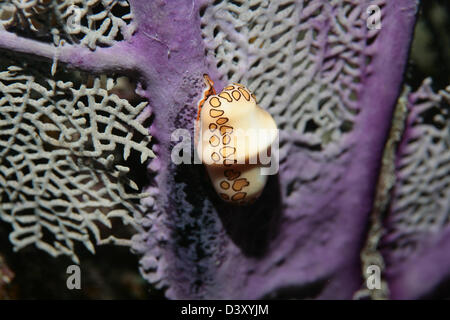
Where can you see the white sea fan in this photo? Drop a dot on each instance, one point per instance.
(62, 161)
(420, 205)
(90, 23)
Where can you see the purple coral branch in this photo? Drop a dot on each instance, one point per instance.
(117, 58)
(298, 243)
(416, 254)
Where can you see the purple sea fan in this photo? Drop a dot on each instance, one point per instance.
(415, 244)
(65, 135)
(329, 81)
(322, 74)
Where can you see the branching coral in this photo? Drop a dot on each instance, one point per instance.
(417, 228)
(304, 238)
(62, 152)
(330, 83)
(87, 23)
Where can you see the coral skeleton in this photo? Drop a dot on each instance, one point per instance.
(330, 82)
(61, 174)
(89, 23)
(417, 226)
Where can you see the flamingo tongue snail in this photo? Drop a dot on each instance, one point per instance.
(229, 141)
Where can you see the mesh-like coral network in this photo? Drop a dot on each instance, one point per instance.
(304, 60)
(88, 23)
(63, 152)
(421, 205)
(329, 81)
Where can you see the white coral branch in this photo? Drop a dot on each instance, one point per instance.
(60, 179)
(101, 60)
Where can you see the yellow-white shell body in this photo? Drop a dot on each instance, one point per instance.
(234, 132)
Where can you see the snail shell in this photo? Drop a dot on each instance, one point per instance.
(234, 132)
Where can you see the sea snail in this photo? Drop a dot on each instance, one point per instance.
(230, 144)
